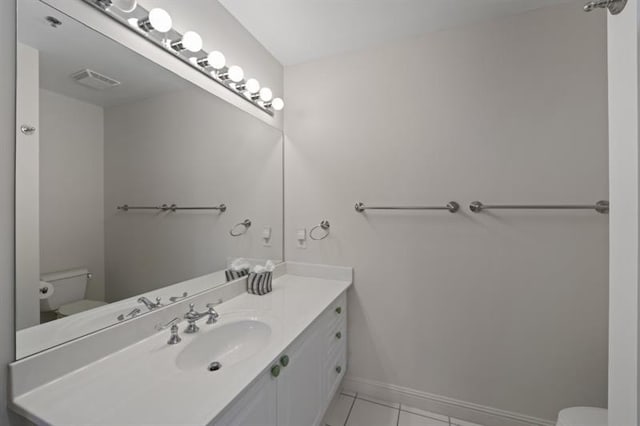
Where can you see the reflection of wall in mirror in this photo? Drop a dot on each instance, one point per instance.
(27, 182)
(189, 148)
(72, 188)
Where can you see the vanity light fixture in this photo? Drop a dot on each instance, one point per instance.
(156, 26)
(251, 89)
(215, 60)
(252, 86)
(126, 6)
(158, 20)
(190, 41)
(234, 73)
(266, 95)
(277, 104)
(249, 86)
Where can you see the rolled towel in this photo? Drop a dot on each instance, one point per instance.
(270, 266)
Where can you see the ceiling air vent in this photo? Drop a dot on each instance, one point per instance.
(94, 79)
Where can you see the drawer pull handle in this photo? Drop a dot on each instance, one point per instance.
(338, 335)
(284, 360)
(338, 369)
(275, 370)
(339, 310)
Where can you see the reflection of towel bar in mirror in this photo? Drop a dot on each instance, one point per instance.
(452, 206)
(244, 227)
(172, 207)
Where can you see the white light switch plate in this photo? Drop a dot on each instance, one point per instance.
(266, 236)
(301, 237)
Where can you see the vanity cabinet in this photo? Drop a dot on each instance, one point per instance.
(255, 407)
(299, 385)
(300, 390)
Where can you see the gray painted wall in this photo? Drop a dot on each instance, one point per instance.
(7, 158)
(507, 310)
(72, 188)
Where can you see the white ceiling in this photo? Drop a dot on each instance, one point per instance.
(73, 47)
(297, 31)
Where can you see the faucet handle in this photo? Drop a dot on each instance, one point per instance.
(192, 315)
(213, 316)
(158, 299)
(173, 322)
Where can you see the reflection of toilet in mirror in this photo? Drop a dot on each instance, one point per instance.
(68, 295)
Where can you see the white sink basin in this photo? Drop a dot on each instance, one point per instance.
(227, 343)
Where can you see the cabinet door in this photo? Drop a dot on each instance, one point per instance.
(257, 406)
(300, 399)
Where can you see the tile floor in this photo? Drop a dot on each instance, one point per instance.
(349, 409)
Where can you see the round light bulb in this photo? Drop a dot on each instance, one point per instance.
(252, 85)
(266, 94)
(160, 20)
(277, 104)
(216, 60)
(236, 74)
(192, 41)
(125, 5)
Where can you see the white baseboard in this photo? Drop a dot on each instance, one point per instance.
(463, 410)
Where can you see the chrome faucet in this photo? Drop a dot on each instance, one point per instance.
(193, 316)
(149, 304)
(173, 324)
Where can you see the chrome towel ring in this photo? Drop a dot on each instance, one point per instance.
(240, 228)
(324, 226)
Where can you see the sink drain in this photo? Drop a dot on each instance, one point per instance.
(214, 366)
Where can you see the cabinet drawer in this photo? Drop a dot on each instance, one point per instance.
(335, 369)
(337, 311)
(336, 337)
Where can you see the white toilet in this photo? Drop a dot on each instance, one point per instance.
(68, 296)
(582, 416)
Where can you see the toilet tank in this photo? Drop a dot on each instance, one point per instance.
(68, 286)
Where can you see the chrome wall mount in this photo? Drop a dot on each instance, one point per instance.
(615, 6)
(156, 26)
(601, 207)
(451, 206)
(171, 207)
(27, 129)
(323, 226)
(240, 228)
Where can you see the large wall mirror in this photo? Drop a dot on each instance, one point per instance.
(105, 139)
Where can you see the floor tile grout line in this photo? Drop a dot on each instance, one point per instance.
(351, 408)
(380, 403)
(448, 421)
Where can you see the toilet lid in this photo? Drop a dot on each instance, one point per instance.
(582, 416)
(79, 306)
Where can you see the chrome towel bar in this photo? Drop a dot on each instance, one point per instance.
(170, 207)
(451, 206)
(601, 207)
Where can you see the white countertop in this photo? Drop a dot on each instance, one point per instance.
(141, 384)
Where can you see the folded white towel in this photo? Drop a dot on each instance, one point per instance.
(240, 264)
(258, 269)
(270, 266)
